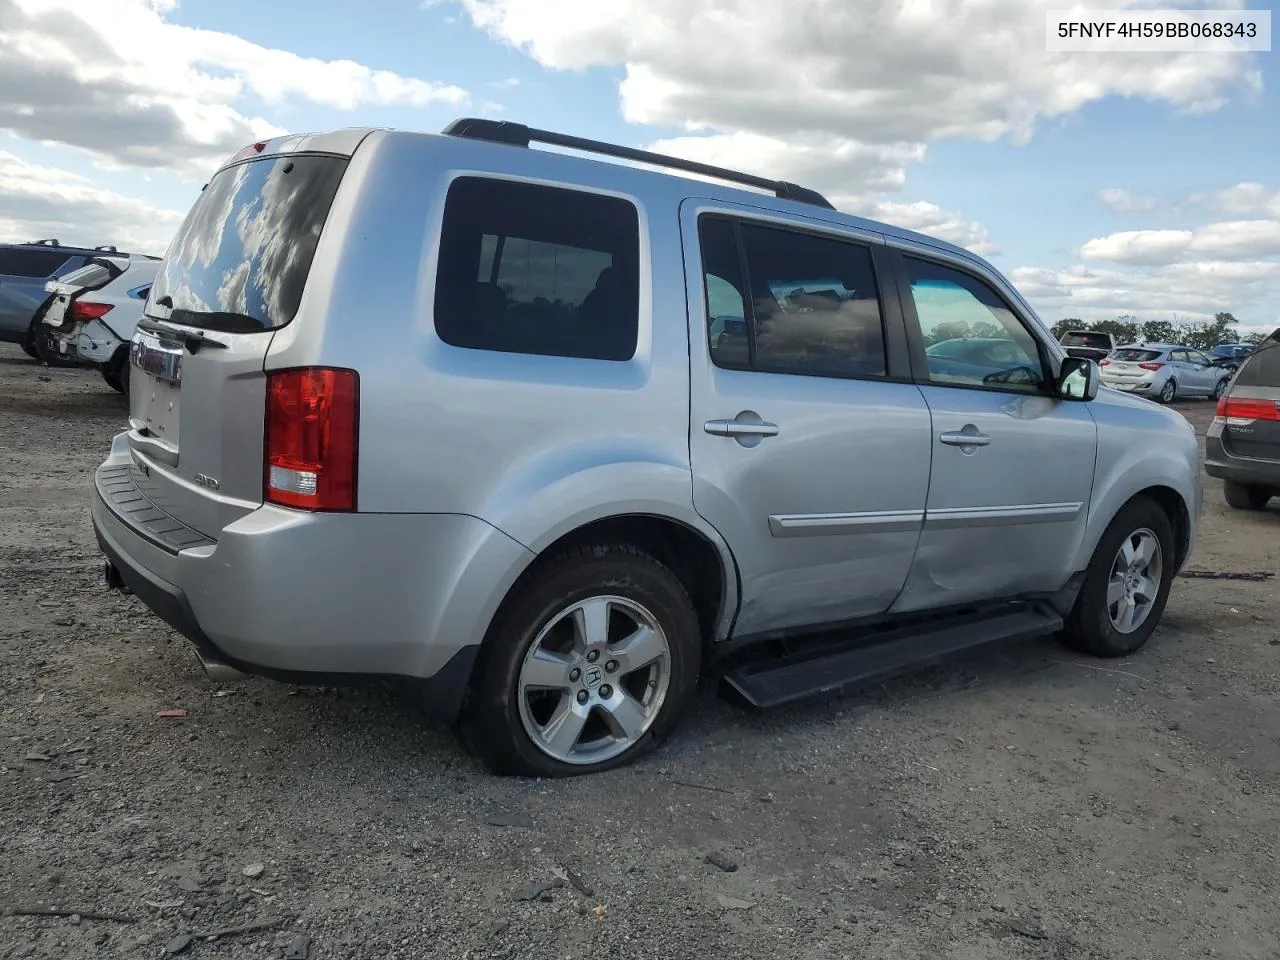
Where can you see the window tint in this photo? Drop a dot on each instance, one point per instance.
(36, 264)
(240, 259)
(1262, 369)
(1178, 356)
(723, 287)
(954, 306)
(1196, 356)
(538, 270)
(809, 304)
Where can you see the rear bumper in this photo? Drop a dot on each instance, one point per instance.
(319, 597)
(91, 342)
(1221, 464)
(1129, 386)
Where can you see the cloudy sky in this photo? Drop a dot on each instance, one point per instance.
(1142, 183)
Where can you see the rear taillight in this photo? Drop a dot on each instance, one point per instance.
(1151, 366)
(1104, 363)
(1239, 410)
(80, 311)
(311, 441)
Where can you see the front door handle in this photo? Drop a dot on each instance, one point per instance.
(965, 438)
(740, 428)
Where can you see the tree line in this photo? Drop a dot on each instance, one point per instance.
(1197, 334)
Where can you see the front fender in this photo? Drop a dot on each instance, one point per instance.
(1141, 447)
(560, 494)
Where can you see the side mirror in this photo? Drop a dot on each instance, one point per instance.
(1079, 379)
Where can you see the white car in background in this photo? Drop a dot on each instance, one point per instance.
(94, 311)
(1164, 371)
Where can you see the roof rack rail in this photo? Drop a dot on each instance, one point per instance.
(44, 243)
(107, 247)
(519, 135)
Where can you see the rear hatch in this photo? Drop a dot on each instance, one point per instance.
(1131, 364)
(94, 275)
(233, 276)
(1251, 410)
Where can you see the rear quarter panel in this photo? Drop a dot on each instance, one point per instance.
(536, 446)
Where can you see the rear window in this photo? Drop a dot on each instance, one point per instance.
(1097, 341)
(538, 270)
(1262, 369)
(241, 258)
(1135, 356)
(30, 263)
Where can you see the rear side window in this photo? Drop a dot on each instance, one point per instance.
(538, 270)
(30, 263)
(808, 304)
(1262, 369)
(241, 258)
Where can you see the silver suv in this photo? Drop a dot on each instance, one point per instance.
(554, 437)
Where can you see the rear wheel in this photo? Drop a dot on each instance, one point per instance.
(1245, 496)
(1169, 391)
(116, 371)
(588, 665)
(1126, 584)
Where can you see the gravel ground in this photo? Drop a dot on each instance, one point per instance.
(1032, 804)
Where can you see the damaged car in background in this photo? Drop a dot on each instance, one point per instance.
(93, 313)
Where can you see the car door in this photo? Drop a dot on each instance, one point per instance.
(1205, 373)
(809, 444)
(1012, 463)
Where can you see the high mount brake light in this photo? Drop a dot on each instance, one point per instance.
(311, 442)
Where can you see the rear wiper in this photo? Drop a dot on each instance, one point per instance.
(193, 339)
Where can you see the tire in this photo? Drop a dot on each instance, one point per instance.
(1245, 496)
(116, 371)
(1091, 626)
(28, 345)
(1169, 392)
(501, 717)
(1220, 388)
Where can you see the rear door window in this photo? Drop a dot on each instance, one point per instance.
(241, 258)
(532, 269)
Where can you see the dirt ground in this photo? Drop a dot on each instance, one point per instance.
(1033, 804)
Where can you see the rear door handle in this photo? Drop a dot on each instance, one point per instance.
(739, 428)
(960, 438)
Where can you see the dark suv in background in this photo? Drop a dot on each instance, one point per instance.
(24, 270)
(1242, 447)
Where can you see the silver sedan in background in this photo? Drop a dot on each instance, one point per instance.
(1164, 371)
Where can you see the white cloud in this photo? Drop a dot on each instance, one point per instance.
(118, 79)
(1125, 201)
(38, 202)
(860, 75)
(1245, 199)
(1194, 289)
(931, 219)
(1230, 240)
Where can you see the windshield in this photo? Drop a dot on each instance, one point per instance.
(241, 258)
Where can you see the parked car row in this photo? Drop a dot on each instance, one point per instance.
(74, 306)
(1242, 446)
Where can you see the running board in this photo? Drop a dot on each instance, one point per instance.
(833, 671)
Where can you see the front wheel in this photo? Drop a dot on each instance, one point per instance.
(1126, 584)
(588, 665)
(1169, 391)
(1220, 388)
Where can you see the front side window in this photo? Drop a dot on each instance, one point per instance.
(808, 304)
(971, 336)
(538, 270)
